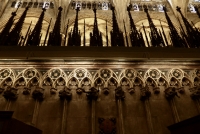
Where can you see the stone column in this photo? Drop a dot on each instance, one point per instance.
(170, 93)
(65, 95)
(119, 95)
(38, 95)
(145, 94)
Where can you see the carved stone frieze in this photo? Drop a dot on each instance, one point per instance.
(81, 80)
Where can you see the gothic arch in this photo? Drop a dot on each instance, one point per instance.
(7, 77)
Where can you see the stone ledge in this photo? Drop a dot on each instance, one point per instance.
(99, 53)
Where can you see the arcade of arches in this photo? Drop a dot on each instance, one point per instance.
(100, 89)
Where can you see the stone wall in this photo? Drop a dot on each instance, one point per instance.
(112, 98)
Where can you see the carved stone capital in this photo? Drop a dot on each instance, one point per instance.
(65, 94)
(131, 90)
(170, 93)
(145, 93)
(119, 93)
(92, 94)
(53, 90)
(38, 94)
(26, 91)
(79, 90)
(11, 93)
(195, 93)
(156, 90)
(181, 90)
(105, 91)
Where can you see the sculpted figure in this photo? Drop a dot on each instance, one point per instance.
(92, 94)
(65, 94)
(10, 93)
(170, 93)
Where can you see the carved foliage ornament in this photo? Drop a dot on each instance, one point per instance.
(105, 74)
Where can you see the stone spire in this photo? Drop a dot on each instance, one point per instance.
(96, 36)
(176, 39)
(4, 33)
(35, 36)
(135, 36)
(192, 35)
(74, 36)
(156, 38)
(15, 35)
(55, 37)
(117, 38)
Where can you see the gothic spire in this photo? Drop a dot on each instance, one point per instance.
(176, 39)
(35, 36)
(135, 36)
(117, 38)
(74, 36)
(4, 33)
(193, 36)
(15, 35)
(55, 36)
(95, 37)
(156, 38)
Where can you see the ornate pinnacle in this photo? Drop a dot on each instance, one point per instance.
(193, 36)
(95, 37)
(117, 38)
(14, 35)
(55, 36)
(75, 37)
(34, 37)
(156, 38)
(176, 39)
(135, 36)
(6, 29)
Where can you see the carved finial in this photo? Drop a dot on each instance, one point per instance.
(60, 8)
(178, 9)
(145, 9)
